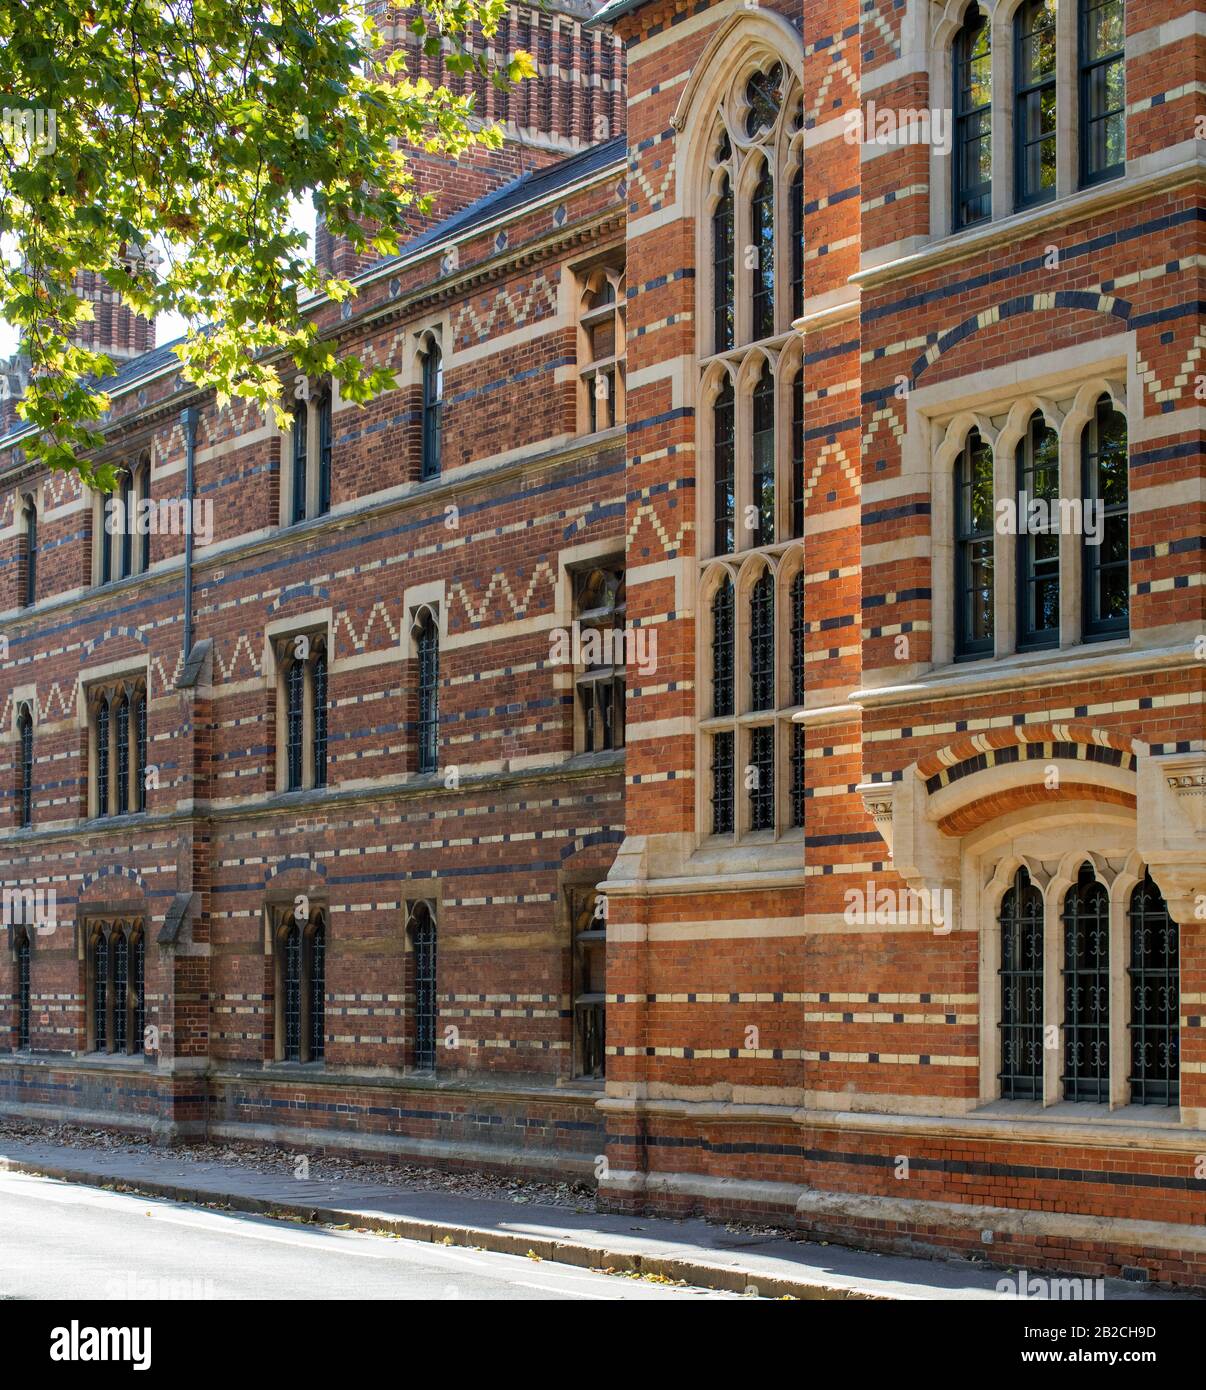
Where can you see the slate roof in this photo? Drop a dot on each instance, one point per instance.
(527, 188)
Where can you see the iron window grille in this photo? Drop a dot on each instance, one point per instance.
(427, 648)
(320, 718)
(301, 945)
(23, 999)
(1086, 972)
(1021, 976)
(1106, 566)
(762, 778)
(1155, 998)
(1038, 549)
(140, 744)
(722, 783)
(1102, 30)
(972, 162)
(423, 948)
(296, 687)
(122, 732)
(26, 768)
(722, 648)
(102, 757)
(1034, 102)
(796, 598)
(117, 965)
(762, 642)
(798, 794)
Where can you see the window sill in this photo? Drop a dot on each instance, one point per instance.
(1116, 656)
(1083, 1113)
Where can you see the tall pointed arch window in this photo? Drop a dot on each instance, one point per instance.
(432, 411)
(762, 235)
(601, 346)
(23, 994)
(1086, 922)
(1105, 548)
(300, 460)
(1038, 546)
(423, 992)
(1155, 998)
(300, 937)
(427, 659)
(971, 164)
(25, 767)
(724, 462)
(974, 587)
(750, 402)
(302, 711)
(116, 985)
(29, 577)
(722, 258)
(1021, 975)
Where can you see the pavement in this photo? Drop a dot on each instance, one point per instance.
(704, 1254)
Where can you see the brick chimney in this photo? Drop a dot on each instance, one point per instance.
(576, 100)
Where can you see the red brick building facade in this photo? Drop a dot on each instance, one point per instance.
(890, 830)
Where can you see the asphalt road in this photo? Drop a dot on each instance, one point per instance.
(60, 1241)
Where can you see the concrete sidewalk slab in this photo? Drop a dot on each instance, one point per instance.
(701, 1252)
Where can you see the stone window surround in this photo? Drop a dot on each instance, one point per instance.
(1054, 874)
(278, 639)
(132, 678)
(938, 425)
(140, 472)
(588, 280)
(945, 21)
(784, 562)
(314, 389)
(279, 907)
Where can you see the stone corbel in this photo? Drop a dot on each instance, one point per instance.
(1171, 817)
(877, 802)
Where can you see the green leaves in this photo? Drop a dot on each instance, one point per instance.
(194, 128)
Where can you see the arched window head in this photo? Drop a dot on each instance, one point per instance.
(432, 411)
(971, 165)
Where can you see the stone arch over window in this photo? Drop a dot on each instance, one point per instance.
(1089, 816)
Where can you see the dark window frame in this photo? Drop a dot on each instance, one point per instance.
(1086, 977)
(431, 413)
(1094, 627)
(724, 470)
(424, 948)
(972, 123)
(427, 661)
(969, 537)
(1022, 924)
(25, 768)
(1087, 68)
(1031, 637)
(1029, 98)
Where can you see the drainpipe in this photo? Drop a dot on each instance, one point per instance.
(188, 418)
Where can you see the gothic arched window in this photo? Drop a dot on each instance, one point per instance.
(1021, 972)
